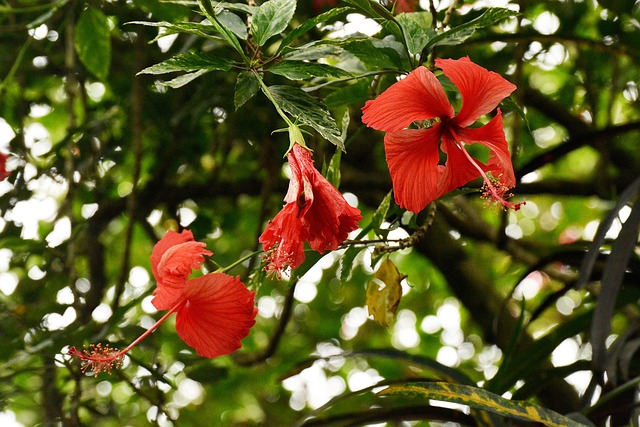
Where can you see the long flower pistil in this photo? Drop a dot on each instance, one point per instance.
(98, 358)
(493, 191)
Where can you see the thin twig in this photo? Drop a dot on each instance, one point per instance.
(414, 238)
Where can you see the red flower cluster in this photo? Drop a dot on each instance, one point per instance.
(413, 155)
(214, 312)
(314, 212)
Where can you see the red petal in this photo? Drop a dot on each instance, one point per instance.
(481, 90)
(418, 96)
(300, 162)
(171, 238)
(218, 314)
(329, 218)
(458, 169)
(412, 156)
(172, 261)
(492, 136)
(282, 239)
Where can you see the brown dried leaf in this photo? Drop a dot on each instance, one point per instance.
(384, 293)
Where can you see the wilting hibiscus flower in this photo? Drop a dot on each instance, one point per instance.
(214, 312)
(413, 155)
(314, 212)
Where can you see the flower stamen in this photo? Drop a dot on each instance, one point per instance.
(493, 190)
(98, 358)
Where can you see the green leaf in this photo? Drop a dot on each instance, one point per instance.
(211, 13)
(416, 27)
(375, 53)
(184, 79)
(307, 110)
(299, 70)
(333, 170)
(381, 15)
(246, 87)
(527, 364)
(462, 32)
(92, 41)
(189, 61)
(346, 262)
(314, 50)
(311, 23)
(381, 213)
(271, 18)
(233, 23)
(194, 28)
(353, 94)
(238, 7)
(483, 400)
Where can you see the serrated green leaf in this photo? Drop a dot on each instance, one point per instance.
(346, 262)
(381, 15)
(189, 61)
(184, 79)
(416, 27)
(194, 28)
(333, 170)
(271, 18)
(381, 213)
(233, 23)
(92, 40)
(313, 51)
(462, 32)
(299, 70)
(483, 400)
(311, 23)
(353, 94)
(344, 125)
(238, 7)
(376, 54)
(307, 110)
(211, 14)
(246, 87)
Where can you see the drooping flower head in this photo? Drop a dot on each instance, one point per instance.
(413, 155)
(214, 312)
(314, 212)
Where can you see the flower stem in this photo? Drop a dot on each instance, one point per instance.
(267, 93)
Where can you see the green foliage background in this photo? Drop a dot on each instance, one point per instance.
(126, 119)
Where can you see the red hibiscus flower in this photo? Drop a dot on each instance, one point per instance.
(314, 212)
(413, 155)
(214, 312)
